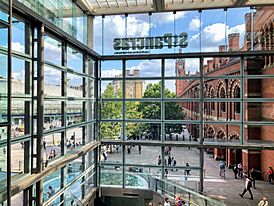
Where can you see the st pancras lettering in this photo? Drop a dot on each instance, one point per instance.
(141, 44)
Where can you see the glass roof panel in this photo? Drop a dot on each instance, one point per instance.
(108, 7)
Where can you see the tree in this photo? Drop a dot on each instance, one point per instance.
(152, 110)
(111, 110)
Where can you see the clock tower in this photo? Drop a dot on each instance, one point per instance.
(180, 72)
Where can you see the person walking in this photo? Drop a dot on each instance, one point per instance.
(187, 170)
(222, 168)
(166, 203)
(139, 149)
(169, 161)
(263, 202)
(248, 186)
(159, 160)
(270, 174)
(252, 176)
(235, 170)
(240, 170)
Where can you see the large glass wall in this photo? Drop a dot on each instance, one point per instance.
(4, 100)
(62, 78)
(64, 14)
(214, 30)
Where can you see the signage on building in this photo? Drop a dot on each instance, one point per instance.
(143, 44)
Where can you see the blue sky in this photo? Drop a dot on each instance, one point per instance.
(213, 34)
(212, 27)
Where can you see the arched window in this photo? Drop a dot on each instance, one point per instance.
(222, 96)
(212, 103)
(237, 104)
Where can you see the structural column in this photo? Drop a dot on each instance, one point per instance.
(40, 112)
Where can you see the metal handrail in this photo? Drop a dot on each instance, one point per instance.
(191, 194)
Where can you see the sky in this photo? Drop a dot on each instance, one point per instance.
(212, 33)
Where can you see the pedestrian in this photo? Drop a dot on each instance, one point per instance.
(263, 202)
(252, 176)
(187, 170)
(169, 150)
(139, 148)
(169, 161)
(51, 191)
(128, 150)
(178, 201)
(240, 170)
(105, 156)
(183, 137)
(235, 170)
(174, 164)
(270, 174)
(221, 168)
(54, 153)
(166, 203)
(44, 144)
(159, 160)
(248, 185)
(166, 172)
(51, 154)
(117, 148)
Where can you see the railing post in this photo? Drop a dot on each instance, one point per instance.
(174, 194)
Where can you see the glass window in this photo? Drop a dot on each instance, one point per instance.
(74, 60)
(3, 88)
(53, 50)
(213, 30)
(3, 162)
(18, 41)
(188, 22)
(52, 184)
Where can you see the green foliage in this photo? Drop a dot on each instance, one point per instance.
(111, 110)
(152, 110)
(135, 110)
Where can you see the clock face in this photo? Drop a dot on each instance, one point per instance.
(180, 68)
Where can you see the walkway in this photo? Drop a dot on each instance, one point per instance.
(228, 190)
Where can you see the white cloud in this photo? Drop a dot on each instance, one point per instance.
(16, 46)
(137, 26)
(114, 27)
(111, 72)
(18, 76)
(237, 29)
(164, 18)
(148, 68)
(194, 25)
(214, 35)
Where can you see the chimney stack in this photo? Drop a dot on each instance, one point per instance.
(233, 41)
(128, 73)
(222, 48)
(210, 65)
(136, 72)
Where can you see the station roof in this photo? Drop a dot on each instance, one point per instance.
(109, 7)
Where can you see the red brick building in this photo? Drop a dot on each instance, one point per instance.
(229, 88)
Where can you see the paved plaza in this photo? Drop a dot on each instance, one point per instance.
(226, 190)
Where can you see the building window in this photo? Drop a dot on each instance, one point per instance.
(237, 104)
(212, 103)
(222, 96)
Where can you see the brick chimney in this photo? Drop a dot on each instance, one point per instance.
(233, 41)
(210, 65)
(127, 72)
(136, 72)
(205, 69)
(222, 48)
